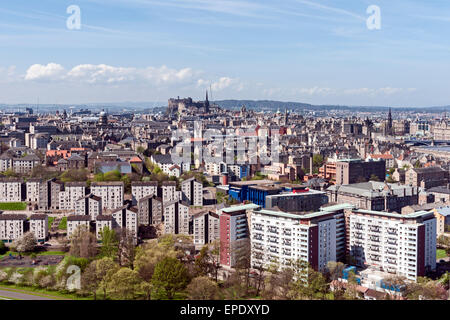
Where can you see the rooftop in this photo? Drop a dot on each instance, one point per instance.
(250, 206)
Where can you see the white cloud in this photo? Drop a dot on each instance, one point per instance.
(105, 74)
(222, 83)
(51, 71)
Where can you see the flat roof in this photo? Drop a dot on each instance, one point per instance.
(395, 215)
(252, 182)
(293, 215)
(336, 207)
(240, 208)
(297, 194)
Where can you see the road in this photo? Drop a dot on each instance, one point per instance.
(14, 294)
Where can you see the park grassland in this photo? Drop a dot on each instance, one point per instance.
(441, 254)
(63, 224)
(50, 222)
(13, 206)
(44, 253)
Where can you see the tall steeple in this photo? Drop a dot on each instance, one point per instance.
(389, 124)
(207, 102)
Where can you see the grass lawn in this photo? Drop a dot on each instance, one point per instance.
(13, 206)
(63, 224)
(441, 254)
(50, 222)
(52, 253)
(45, 253)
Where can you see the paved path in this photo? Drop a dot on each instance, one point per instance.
(22, 295)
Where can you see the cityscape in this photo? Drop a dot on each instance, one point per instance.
(167, 183)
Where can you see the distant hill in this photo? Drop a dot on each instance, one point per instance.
(264, 105)
(270, 105)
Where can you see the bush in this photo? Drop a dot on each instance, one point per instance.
(80, 262)
(47, 282)
(26, 243)
(3, 276)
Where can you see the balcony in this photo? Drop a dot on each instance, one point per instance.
(391, 261)
(391, 231)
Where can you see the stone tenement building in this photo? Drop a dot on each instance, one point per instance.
(426, 177)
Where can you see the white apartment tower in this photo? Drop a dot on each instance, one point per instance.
(111, 193)
(192, 191)
(72, 192)
(142, 189)
(404, 245)
(176, 217)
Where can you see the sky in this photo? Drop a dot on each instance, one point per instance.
(312, 51)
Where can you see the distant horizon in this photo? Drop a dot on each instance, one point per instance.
(159, 104)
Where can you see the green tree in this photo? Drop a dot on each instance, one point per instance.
(170, 276)
(124, 283)
(351, 292)
(202, 288)
(26, 243)
(71, 175)
(83, 243)
(89, 279)
(114, 175)
(148, 256)
(425, 289)
(105, 268)
(140, 149)
(318, 161)
(202, 263)
(110, 243)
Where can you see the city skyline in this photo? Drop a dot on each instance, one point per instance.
(317, 52)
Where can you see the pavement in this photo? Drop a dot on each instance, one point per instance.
(15, 294)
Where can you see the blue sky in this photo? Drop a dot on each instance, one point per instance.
(314, 51)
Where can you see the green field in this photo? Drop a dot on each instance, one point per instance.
(13, 206)
(441, 254)
(50, 222)
(63, 224)
(44, 253)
